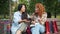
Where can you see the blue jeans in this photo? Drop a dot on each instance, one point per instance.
(38, 29)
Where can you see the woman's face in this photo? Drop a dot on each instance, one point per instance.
(23, 8)
(36, 10)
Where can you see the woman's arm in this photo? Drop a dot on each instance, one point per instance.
(43, 19)
(20, 21)
(17, 18)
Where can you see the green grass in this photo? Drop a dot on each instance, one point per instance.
(58, 16)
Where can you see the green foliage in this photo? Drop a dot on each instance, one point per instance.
(32, 5)
(52, 6)
(4, 5)
(23, 2)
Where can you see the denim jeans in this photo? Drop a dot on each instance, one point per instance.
(38, 29)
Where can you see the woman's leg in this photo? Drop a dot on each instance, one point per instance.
(13, 30)
(21, 28)
(18, 32)
(42, 29)
(38, 29)
(35, 30)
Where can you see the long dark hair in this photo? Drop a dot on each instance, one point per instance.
(24, 15)
(20, 6)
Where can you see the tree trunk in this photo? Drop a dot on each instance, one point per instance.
(55, 15)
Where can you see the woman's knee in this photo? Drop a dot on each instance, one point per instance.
(35, 31)
(18, 32)
(42, 29)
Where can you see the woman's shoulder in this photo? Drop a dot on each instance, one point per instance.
(44, 14)
(17, 13)
(28, 15)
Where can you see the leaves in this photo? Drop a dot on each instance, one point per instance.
(4, 5)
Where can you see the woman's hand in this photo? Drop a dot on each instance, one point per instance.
(33, 22)
(25, 20)
(32, 15)
(22, 20)
(40, 20)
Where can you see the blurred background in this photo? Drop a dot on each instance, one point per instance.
(8, 7)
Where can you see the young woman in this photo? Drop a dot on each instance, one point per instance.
(19, 20)
(39, 19)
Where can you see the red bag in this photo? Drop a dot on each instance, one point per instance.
(28, 31)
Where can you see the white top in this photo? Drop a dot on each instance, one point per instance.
(44, 18)
(16, 18)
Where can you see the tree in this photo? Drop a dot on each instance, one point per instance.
(23, 2)
(32, 5)
(4, 5)
(52, 6)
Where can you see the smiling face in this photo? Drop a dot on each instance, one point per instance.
(23, 8)
(36, 10)
(40, 9)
